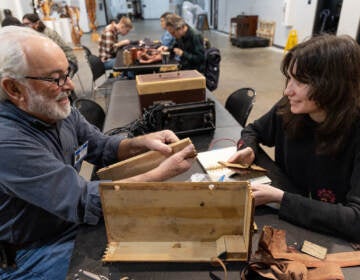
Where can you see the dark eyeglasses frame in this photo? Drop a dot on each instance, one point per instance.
(60, 82)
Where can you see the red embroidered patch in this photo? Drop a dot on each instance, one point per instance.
(326, 195)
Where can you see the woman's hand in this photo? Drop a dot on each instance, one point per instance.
(264, 194)
(245, 156)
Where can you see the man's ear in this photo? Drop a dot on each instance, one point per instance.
(13, 89)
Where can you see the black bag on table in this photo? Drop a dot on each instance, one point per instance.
(212, 67)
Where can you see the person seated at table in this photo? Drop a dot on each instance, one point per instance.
(43, 198)
(109, 44)
(315, 129)
(188, 45)
(33, 21)
(166, 39)
(10, 20)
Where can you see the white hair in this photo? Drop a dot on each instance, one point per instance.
(13, 61)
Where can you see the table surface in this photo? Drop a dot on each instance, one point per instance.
(141, 68)
(91, 240)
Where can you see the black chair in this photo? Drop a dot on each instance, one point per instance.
(240, 104)
(98, 70)
(91, 111)
(86, 50)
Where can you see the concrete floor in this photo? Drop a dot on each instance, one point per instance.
(258, 68)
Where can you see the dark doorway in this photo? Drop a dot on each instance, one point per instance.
(327, 16)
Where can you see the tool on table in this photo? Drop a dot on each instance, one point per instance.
(251, 167)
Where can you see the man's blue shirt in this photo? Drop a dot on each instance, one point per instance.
(41, 192)
(167, 40)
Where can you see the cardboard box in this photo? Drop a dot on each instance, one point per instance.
(177, 221)
(179, 87)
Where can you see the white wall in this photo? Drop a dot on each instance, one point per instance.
(228, 9)
(18, 7)
(100, 13)
(349, 18)
(153, 9)
(302, 16)
(84, 20)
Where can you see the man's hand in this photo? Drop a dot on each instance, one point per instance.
(170, 167)
(156, 141)
(122, 43)
(162, 48)
(174, 165)
(178, 51)
(264, 194)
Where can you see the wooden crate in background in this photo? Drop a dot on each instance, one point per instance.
(266, 29)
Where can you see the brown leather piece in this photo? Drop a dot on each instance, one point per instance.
(285, 271)
(145, 56)
(275, 260)
(326, 272)
(274, 241)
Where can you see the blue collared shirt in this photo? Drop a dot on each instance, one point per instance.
(167, 40)
(41, 192)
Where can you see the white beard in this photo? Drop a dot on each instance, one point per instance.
(50, 108)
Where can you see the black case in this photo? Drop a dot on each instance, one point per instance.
(188, 118)
(250, 42)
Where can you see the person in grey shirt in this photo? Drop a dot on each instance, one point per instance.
(42, 197)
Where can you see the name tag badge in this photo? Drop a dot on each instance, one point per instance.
(80, 153)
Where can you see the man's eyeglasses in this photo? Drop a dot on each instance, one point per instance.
(60, 82)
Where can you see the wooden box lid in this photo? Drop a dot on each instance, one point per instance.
(177, 221)
(139, 164)
(170, 82)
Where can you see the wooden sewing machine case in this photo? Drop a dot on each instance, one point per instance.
(179, 87)
(177, 221)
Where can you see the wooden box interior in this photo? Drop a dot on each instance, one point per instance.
(177, 221)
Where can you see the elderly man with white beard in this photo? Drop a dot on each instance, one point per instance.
(43, 199)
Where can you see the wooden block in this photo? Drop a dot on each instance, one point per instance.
(139, 164)
(314, 250)
(230, 247)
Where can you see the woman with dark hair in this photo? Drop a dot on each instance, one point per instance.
(33, 21)
(315, 129)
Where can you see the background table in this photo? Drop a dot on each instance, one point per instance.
(91, 240)
(141, 68)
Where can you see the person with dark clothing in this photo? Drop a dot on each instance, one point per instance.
(315, 129)
(188, 45)
(10, 20)
(43, 142)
